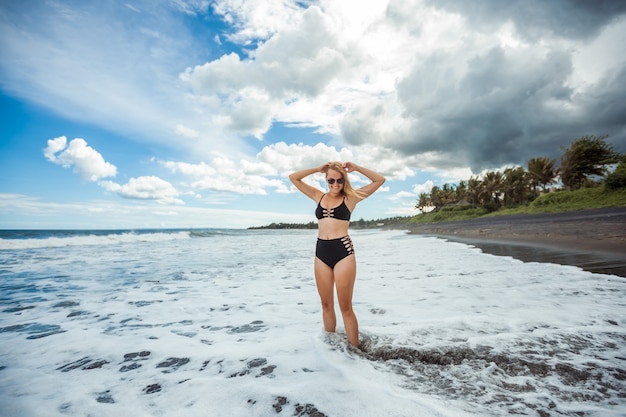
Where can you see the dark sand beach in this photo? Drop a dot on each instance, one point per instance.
(594, 240)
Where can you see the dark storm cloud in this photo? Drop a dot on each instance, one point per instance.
(492, 94)
(506, 108)
(533, 19)
(607, 103)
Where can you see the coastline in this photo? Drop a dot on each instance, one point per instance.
(594, 240)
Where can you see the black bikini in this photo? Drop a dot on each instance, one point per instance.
(341, 212)
(332, 251)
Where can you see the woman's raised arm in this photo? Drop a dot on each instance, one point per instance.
(375, 177)
(310, 191)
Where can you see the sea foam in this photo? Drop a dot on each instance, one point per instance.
(229, 324)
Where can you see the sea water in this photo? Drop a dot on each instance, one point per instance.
(228, 323)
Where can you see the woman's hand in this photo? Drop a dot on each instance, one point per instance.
(349, 166)
(323, 168)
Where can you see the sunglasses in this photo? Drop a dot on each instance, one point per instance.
(331, 181)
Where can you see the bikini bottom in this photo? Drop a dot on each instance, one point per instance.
(333, 250)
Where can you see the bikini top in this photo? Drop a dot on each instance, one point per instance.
(341, 212)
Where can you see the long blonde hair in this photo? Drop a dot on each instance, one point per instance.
(347, 189)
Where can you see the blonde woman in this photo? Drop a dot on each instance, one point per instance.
(335, 263)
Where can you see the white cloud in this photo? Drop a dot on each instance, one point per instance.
(406, 209)
(416, 79)
(269, 169)
(593, 59)
(87, 162)
(397, 86)
(255, 20)
(91, 166)
(403, 194)
(185, 168)
(249, 112)
(186, 131)
(423, 188)
(287, 158)
(335, 67)
(451, 176)
(145, 188)
(251, 185)
(22, 211)
(54, 146)
(223, 174)
(297, 63)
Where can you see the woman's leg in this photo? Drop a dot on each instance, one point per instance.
(345, 275)
(326, 289)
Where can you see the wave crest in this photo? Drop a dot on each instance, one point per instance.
(90, 239)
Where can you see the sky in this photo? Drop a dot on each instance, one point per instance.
(192, 113)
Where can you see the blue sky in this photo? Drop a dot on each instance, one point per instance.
(191, 113)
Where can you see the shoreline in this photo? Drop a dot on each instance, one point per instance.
(594, 240)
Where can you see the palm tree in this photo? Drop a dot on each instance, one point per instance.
(568, 174)
(541, 171)
(515, 186)
(474, 190)
(492, 188)
(448, 194)
(436, 197)
(423, 202)
(586, 156)
(461, 191)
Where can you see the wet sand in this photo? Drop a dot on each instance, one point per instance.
(594, 240)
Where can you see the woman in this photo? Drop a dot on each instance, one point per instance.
(335, 263)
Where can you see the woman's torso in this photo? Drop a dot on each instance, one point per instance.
(330, 227)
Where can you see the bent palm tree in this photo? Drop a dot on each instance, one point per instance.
(541, 171)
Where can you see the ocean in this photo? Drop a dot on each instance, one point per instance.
(209, 323)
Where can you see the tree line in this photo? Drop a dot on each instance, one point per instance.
(584, 163)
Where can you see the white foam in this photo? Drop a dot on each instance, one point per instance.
(241, 314)
(90, 240)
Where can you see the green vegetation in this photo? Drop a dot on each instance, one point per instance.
(583, 165)
(554, 202)
(617, 179)
(309, 225)
(357, 224)
(585, 157)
